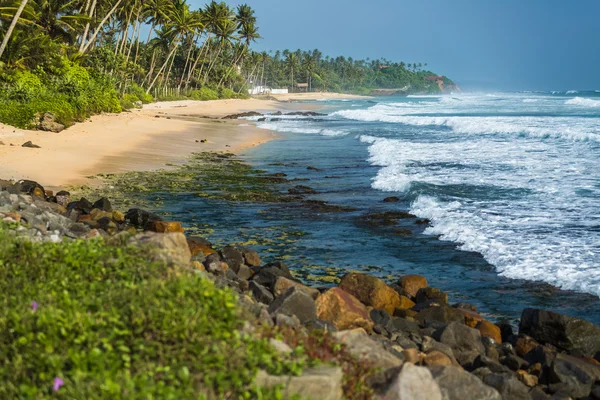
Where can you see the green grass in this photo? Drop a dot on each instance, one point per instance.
(113, 325)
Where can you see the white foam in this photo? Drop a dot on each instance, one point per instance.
(584, 102)
(302, 127)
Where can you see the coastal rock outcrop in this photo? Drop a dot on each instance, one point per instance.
(343, 310)
(371, 291)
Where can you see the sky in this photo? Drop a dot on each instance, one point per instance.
(481, 44)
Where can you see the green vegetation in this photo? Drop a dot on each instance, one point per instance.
(111, 324)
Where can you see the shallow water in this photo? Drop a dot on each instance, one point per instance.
(510, 183)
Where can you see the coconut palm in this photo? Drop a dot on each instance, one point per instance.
(12, 25)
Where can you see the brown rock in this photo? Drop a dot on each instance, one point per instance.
(412, 283)
(411, 356)
(198, 265)
(402, 313)
(371, 291)
(14, 215)
(251, 257)
(528, 380)
(282, 284)
(39, 193)
(98, 214)
(471, 318)
(84, 218)
(118, 216)
(196, 248)
(435, 357)
(49, 193)
(166, 227)
(524, 345)
(343, 310)
(487, 329)
(406, 303)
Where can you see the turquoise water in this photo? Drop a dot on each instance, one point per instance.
(510, 182)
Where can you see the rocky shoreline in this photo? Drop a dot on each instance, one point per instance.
(417, 344)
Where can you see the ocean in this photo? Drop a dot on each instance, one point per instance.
(510, 183)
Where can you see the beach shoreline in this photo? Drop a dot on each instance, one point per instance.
(144, 139)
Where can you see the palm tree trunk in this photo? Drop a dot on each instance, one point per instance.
(233, 65)
(193, 68)
(123, 45)
(187, 60)
(11, 28)
(210, 66)
(161, 69)
(99, 28)
(87, 26)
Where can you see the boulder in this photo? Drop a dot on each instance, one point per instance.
(527, 379)
(362, 347)
(524, 345)
(47, 122)
(573, 376)
(261, 293)
(165, 227)
(430, 293)
(460, 337)
(282, 284)
(199, 246)
(412, 283)
(457, 384)
(471, 318)
(508, 385)
(371, 291)
(343, 310)
(170, 248)
(103, 204)
(29, 144)
(391, 199)
(564, 332)
(443, 314)
(251, 257)
(83, 206)
(487, 329)
(267, 275)
(405, 303)
(436, 358)
(233, 256)
(318, 383)
(140, 218)
(295, 302)
(413, 383)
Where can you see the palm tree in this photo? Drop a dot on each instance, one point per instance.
(291, 63)
(59, 19)
(11, 28)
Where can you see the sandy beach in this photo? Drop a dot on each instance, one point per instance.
(150, 138)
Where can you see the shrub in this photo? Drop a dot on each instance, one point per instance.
(140, 93)
(203, 94)
(111, 324)
(228, 94)
(128, 101)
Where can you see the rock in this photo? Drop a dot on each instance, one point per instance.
(466, 306)
(362, 347)
(282, 284)
(103, 204)
(566, 333)
(430, 344)
(413, 383)
(244, 114)
(487, 329)
(405, 325)
(140, 218)
(251, 257)
(514, 362)
(261, 293)
(405, 303)
(457, 384)
(430, 293)
(412, 355)
(295, 302)
(301, 190)
(371, 291)
(524, 345)
(83, 206)
(471, 318)
(318, 383)
(380, 317)
(198, 246)
(460, 337)
(442, 314)
(96, 214)
(170, 248)
(391, 199)
(118, 216)
(489, 363)
(30, 145)
(244, 272)
(280, 347)
(288, 321)
(268, 274)
(233, 256)
(48, 123)
(508, 385)
(165, 227)
(343, 310)
(575, 376)
(436, 358)
(412, 283)
(527, 379)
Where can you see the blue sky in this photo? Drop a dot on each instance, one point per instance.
(482, 44)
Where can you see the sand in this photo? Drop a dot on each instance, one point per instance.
(148, 139)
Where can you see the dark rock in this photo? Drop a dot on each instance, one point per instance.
(244, 272)
(429, 344)
(457, 384)
(30, 145)
(380, 317)
(233, 256)
(596, 391)
(430, 293)
(508, 385)
(267, 275)
(32, 188)
(573, 376)
(261, 293)
(386, 218)
(380, 330)
(460, 337)
(314, 169)
(466, 306)
(251, 257)
(295, 302)
(514, 362)
(442, 314)
(506, 330)
(564, 332)
(538, 394)
(140, 218)
(83, 206)
(244, 114)
(301, 190)
(405, 326)
(392, 199)
(103, 204)
(306, 114)
(492, 365)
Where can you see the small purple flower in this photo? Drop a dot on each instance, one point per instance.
(58, 382)
(34, 306)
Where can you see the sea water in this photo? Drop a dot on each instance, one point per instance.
(514, 177)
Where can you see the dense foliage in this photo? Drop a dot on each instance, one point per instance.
(108, 324)
(79, 57)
